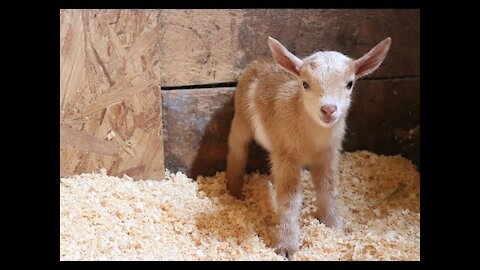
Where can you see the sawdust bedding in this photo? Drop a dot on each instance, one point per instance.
(111, 218)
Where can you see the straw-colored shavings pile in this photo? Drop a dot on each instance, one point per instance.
(111, 218)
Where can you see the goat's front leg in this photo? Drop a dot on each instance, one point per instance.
(286, 178)
(325, 179)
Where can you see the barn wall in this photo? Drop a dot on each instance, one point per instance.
(153, 76)
(210, 47)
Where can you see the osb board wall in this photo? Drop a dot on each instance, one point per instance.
(110, 100)
(212, 46)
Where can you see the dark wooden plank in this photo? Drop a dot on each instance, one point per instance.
(213, 46)
(384, 118)
(196, 128)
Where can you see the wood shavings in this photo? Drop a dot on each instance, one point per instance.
(399, 189)
(111, 218)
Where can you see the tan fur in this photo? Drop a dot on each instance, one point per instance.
(272, 106)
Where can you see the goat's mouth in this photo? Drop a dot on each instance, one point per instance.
(326, 121)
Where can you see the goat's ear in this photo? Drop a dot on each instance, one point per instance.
(373, 59)
(284, 58)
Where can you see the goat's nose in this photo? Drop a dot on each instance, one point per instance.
(328, 109)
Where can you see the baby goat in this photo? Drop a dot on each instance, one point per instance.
(296, 110)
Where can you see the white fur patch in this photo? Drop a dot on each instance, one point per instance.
(259, 132)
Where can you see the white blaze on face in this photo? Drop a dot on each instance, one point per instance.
(328, 74)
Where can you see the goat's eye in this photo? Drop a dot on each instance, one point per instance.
(349, 85)
(305, 85)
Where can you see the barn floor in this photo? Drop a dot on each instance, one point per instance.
(110, 218)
